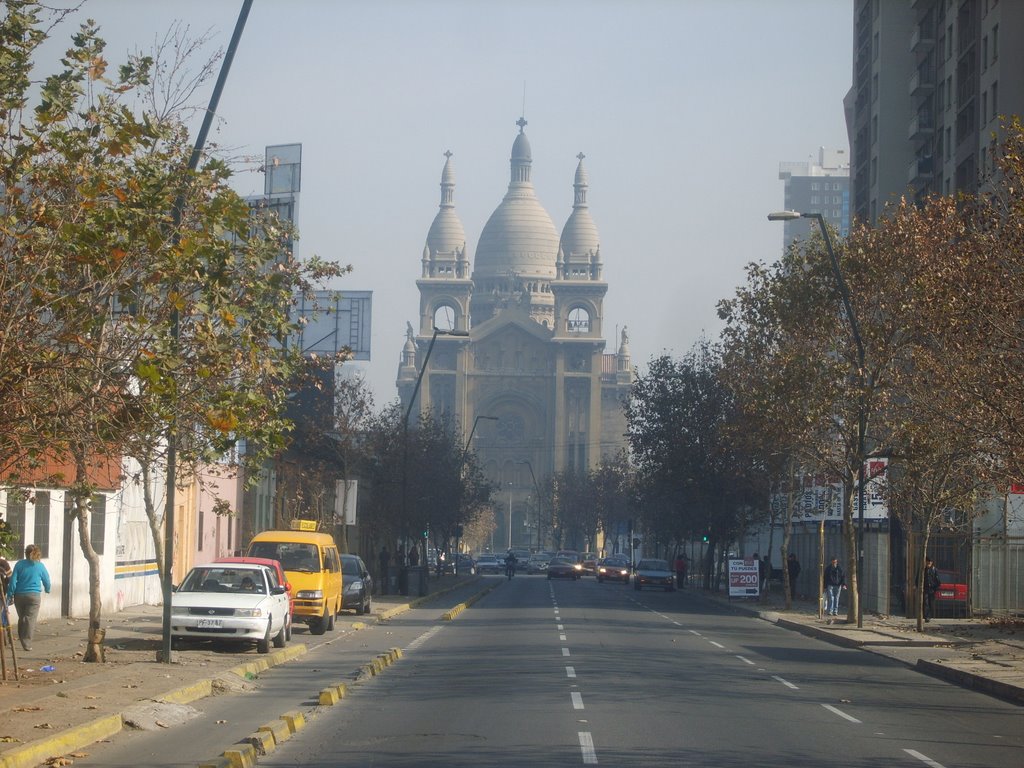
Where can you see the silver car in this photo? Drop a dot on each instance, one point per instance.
(654, 573)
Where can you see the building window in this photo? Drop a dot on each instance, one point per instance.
(949, 42)
(995, 100)
(874, 129)
(814, 199)
(41, 529)
(984, 107)
(16, 519)
(98, 522)
(815, 186)
(949, 143)
(984, 53)
(874, 88)
(199, 527)
(949, 92)
(995, 43)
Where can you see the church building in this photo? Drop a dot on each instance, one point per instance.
(525, 372)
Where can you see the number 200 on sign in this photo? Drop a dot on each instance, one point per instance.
(745, 578)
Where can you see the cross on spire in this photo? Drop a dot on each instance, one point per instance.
(580, 156)
(447, 154)
(521, 122)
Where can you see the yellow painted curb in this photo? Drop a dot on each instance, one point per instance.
(36, 752)
(242, 756)
(189, 693)
(278, 729)
(296, 721)
(385, 659)
(396, 652)
(342, 689)
(328, 697)
(217, 762)
(264, 663)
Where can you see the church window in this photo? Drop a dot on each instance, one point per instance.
(578, 321)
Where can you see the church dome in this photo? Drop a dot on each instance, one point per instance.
(446, 234)
(579, 235)
(519, 236)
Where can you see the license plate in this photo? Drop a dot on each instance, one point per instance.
(209, 623)
(945, 594)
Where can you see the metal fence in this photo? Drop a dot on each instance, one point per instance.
(997, 576)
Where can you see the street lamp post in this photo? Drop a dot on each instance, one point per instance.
(462, 467)
(510, 514)
(844, 294)
(536, 488)
(405, 449)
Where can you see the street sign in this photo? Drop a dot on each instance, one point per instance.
(744, 578)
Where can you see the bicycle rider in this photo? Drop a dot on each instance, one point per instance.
(510, 564)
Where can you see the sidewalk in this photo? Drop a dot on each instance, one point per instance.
(984, 654)
(57, 712)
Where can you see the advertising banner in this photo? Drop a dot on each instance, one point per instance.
(818, 498)
(744, 578)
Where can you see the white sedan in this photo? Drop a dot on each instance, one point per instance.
(223, 601)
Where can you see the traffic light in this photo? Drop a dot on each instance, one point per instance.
(705, 538)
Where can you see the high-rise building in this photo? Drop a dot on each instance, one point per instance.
(817, 187)
(931, 79)
(533, 362)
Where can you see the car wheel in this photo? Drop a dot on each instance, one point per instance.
(319, 626)
(263, 646)
(288, 633)
(281, 637)
(330, 621)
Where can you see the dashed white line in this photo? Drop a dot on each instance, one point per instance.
(836, 711)
(587, 748)
(677, 623)
(787, 683)
(744, 660)
(577, 700)
(561, 627)
(422, 638)
(562, 638)
(923, 758)
(570, 672)
(565, 651)
(695, 632)
(717, 645)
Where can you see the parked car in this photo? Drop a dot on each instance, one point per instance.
(614, 568)
(564, 568)
(231, 601)
(489, 564)
(464, 564)
(654, 573)
(357, 584)
(589, 562)
(282, 579)
(951, 597)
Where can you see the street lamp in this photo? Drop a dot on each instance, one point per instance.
(536, 487)
(844, 293)
(462, 467)
(405, 448)
(469, 439)
(510, 514)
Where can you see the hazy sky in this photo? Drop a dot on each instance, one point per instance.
(684, 109)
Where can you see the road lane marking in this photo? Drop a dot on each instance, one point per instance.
(717, 645)
(577, 700)
(587, 748)
(745, 660)
(422, 638)
(695, 632)
(924, 759)
(570, 672)
(840, 712)
(562, 638)
(561, 627)
(565, 651)
(677, 623)
(789, 684)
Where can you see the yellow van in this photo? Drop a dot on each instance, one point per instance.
(311, 562)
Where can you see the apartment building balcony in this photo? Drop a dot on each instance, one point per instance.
(921, 125)
(921, 83)
(921, 40)
(919, 171)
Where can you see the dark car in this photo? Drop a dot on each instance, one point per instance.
(654, 573)
(489, 564)
(564, 568)
(951, 597)
(464, 564)
(356, 584)
(613, 569)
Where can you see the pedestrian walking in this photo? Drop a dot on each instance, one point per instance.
(383, 561)
(765, 571)
(681, 568)
(793, 567)
(931, 586)
(835, 583)
(28, 580)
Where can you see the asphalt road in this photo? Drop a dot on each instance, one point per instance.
(560, 673)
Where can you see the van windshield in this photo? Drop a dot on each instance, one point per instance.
(294, 556)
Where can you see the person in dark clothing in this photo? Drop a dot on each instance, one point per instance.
(835, 583)
(414, 556)
(931, 586)
(680, 566)
(765, 571)
(793, 566)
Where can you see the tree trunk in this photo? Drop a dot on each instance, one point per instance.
(156, 527)
(787, 532)
(94, 650)
(919, 580)
(850, 542)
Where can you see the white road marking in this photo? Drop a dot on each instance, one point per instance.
(565, 651)
(562, 638)
(744, 660)
(577, 700)
(677, 623)
(717, 645)
(840, 712)
(423, 638)
(787, 683)
(570, 672)
(924, 759)
(587, 748)
(695, 632)
(561, 627)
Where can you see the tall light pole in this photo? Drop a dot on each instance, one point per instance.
(844, 294)
(536, 488)
(462, 467)
(510, 514)
(405, 448)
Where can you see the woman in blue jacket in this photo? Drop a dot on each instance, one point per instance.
(25, 588)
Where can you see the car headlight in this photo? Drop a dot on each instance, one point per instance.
(354, 585)
(310, 594)
(577, 567)
(623, 572)
(178, 611)
(254, 613)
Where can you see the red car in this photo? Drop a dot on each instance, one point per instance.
(951, 598)
(281, 579)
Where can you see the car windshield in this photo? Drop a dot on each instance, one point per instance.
(561, 561)
(652, 565)
(225, 579)
(350, 567)
(294, 556)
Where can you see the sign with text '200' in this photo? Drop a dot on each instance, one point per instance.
(744, 578)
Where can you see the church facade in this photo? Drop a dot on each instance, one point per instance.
(526, 374)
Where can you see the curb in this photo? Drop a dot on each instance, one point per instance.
(1005, 691)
